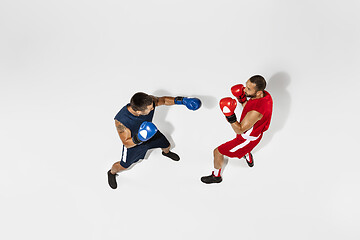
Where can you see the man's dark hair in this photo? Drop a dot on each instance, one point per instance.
(140, 101)
(259, 82)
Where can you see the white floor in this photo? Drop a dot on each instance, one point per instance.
(67, 67)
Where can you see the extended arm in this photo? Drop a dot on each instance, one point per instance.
(163, 101)
(190, 103)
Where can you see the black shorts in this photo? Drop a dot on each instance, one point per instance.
(134, 154)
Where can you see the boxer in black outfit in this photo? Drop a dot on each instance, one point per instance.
(137, 132)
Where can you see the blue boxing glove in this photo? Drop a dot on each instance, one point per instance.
(190, 103)
(146, 131)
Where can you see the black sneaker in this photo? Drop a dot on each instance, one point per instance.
(112, 180)
(249, 159)
(171, 155)
(211, 179)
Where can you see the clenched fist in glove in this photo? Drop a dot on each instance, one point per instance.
(238, 92)
(146, 131)
(227, 106)
(190, 103)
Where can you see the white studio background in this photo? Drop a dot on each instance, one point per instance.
(67, 67)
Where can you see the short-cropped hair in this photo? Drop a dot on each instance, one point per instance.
(259, 81)
(140, 101)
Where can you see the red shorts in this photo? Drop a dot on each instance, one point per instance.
(238, 147)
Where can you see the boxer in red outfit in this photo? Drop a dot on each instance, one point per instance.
(254, 121)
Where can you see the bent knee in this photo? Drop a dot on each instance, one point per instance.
(120, 166)
(168, 147)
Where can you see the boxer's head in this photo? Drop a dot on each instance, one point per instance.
(141, 103)
(255, 87)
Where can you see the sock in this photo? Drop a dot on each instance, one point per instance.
(217, 172)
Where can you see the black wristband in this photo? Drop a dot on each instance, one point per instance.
(178, 100)
(232, 118)
(242, 99)
(136, 140)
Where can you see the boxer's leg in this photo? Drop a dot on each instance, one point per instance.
(215, 176)
(219, 153)
(218, 159)
(129, 156)
(160, 141)
(116, 167)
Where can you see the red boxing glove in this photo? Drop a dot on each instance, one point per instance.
(227, 106)
(238, 92)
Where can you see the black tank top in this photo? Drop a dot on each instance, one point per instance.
(133, 122)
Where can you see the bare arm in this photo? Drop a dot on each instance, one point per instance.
(124, 134)
(163, 101)
(248, 122)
